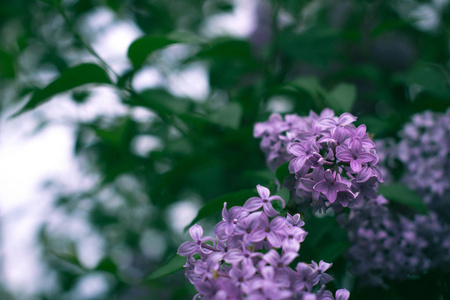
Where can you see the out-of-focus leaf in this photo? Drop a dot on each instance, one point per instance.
(70, 258)
(394, 24)
(326, 240)
(400, 193)
(161, 102)
(282, 172)
(285, 194)
(430, 78)
(107, 265)
(228, 49)
(216, 205)
(6, 65)
(310, 86)
(174, 264)
(142, 47)
(71, 78)
(342, 97)
(317, 228)
(186, 37)
(228, 116)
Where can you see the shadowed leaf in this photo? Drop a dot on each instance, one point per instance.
(401, 194)
(71, 78)
(174, 264)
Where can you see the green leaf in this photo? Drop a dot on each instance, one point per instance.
(174, 264)
(326, 240)
(342, 97)
(285, 194)
(433, 79)
(142, 47)
(71, 78)
(399, 193)
(227, 49)
(282, 172)
(216, 205)
(228, 116)
(309, 85)
(107, 265)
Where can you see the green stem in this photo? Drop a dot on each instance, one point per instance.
(88, 47)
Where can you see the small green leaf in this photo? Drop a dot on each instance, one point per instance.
(311, 86)
(285, 194)
(71, 259)
(71, 78)
(342, 97)
(216, 205)
(401, 194)
(107, 265)
(228, 116)
(326, 240)
(142, 47)
(174, 264)
(282, 172)
(431, 78)
(161, 102)
(227, 49)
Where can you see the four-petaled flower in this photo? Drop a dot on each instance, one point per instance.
(190, 248)
(264, 200)
(330, 186)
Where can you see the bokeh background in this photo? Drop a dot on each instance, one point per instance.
(98, 183)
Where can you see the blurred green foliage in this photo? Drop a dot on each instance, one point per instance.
(371, 58)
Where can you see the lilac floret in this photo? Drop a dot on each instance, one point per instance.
(264, 200)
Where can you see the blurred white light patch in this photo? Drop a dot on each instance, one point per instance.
(91, 286)
(103, 101)
(26, 161)
(142, 145)
(142, 115)
(280, 104)
(146, 78)
(89, 249)
(182, 213)
(190, 82)
(427, 17)
(113, 38)
(240, 22)
(98, 19)
(153, 244)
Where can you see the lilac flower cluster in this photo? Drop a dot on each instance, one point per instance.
(252, 255)
(334, 162)
(424, 150)
(384, 244)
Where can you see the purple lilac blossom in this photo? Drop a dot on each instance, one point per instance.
(384, 244)
(423, 152)
(326, 153)
(253, 256)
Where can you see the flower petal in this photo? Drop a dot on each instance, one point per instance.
(196, 232)
(355, 165)
(187, 249)
(269, 210)
(263, 192)
(253, 204)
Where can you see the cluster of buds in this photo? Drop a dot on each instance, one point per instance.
(252, 255)
(334, 162)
